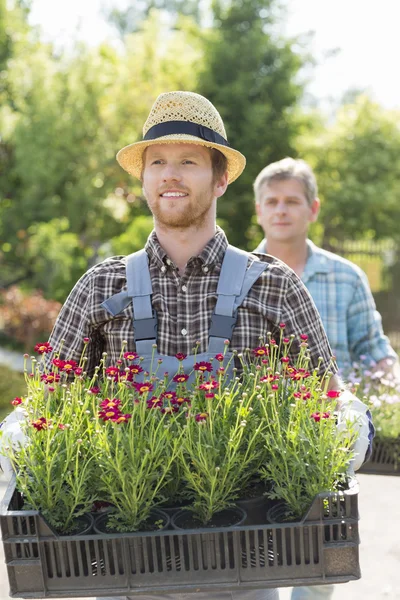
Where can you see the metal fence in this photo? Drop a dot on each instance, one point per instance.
(380, 260)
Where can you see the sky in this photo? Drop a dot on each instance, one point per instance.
(365, 31)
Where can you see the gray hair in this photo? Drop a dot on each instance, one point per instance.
(288, 168)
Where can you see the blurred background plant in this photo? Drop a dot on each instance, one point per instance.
(65, 203)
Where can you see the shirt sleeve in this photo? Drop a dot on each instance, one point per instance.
(364, 325)
(73, 324)
(301, 316)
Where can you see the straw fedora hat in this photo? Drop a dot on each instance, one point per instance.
(182, 117)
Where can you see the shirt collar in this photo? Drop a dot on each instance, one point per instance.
(211, 254)
(317, 262)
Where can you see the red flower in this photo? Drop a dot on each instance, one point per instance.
(110, 414)
(209, 385)
(43, 348)
(210, 396)
(135, 369)
(274, 387)
(201, 417)
(303, 395)
(300, 374)
(61, 426)
(50, 377)
(219, 357)
(69, 366)
(122, 418)
(94, 390)
(268, 378)
(179, 400)
(41, 423)
(131, 356)
(333, 394)
(285, 359)
(286, 340)
(144, 387)
(17, 401)
(180, 378)
(107, 403)
(112, 371)
(180, 356)
(261, 351)
(78, 371)
(203, 366)
(282, 325)
(168, 396)
(86, 340)
(317, 416)
(304, 337)
(154, 402)
(57, 362)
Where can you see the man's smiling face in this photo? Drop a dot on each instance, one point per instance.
(178, 184)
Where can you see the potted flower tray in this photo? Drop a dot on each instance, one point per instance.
(385, 458)
(321, 548)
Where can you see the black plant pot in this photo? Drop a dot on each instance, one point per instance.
(173, 508)
(230, 517)
(100, 524)
(255, 509)
(82, 525)
(278, 514)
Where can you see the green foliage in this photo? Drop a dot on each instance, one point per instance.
(12, 384)
(357, 164)
(135, 236)
(250, 74)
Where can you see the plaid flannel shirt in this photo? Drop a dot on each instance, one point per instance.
(184, 305)
(341, 292)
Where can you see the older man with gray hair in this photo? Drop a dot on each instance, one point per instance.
(286, 204)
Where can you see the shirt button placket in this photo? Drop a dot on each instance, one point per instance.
(183, 316)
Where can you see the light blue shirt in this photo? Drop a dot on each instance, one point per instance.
(342, 295)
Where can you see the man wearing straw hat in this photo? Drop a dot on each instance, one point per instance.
(188, 288)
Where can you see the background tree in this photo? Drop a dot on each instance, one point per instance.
(357, 164)
(252, 76)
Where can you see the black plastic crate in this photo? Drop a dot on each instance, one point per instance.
(385, 458)
(322, 548)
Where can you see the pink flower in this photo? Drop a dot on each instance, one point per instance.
(317, 416)
(154, 402)
(268, 378)
(203, 366)
(78, 371)
(180, 377)
(112, 371)
(282, 325)
(110, 414)
(333, 394)
(286, 340)
(180, 356)
(210, 396)
(43, 348)
(86, 340)
(274, 387)
(131, 355)
(94, 390)
(304, 337)
(107, 403)
(135, 369)
(69, 366)
(50, 377)
(209, 385)
(261, 351)
(285, 359)
(143, 388)
(61, 426)
(122, 418)
(40, 424)
(57, 362)
(201, 417)
(179, 400)
(17, 401)
(219, 357)
(168, 396)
